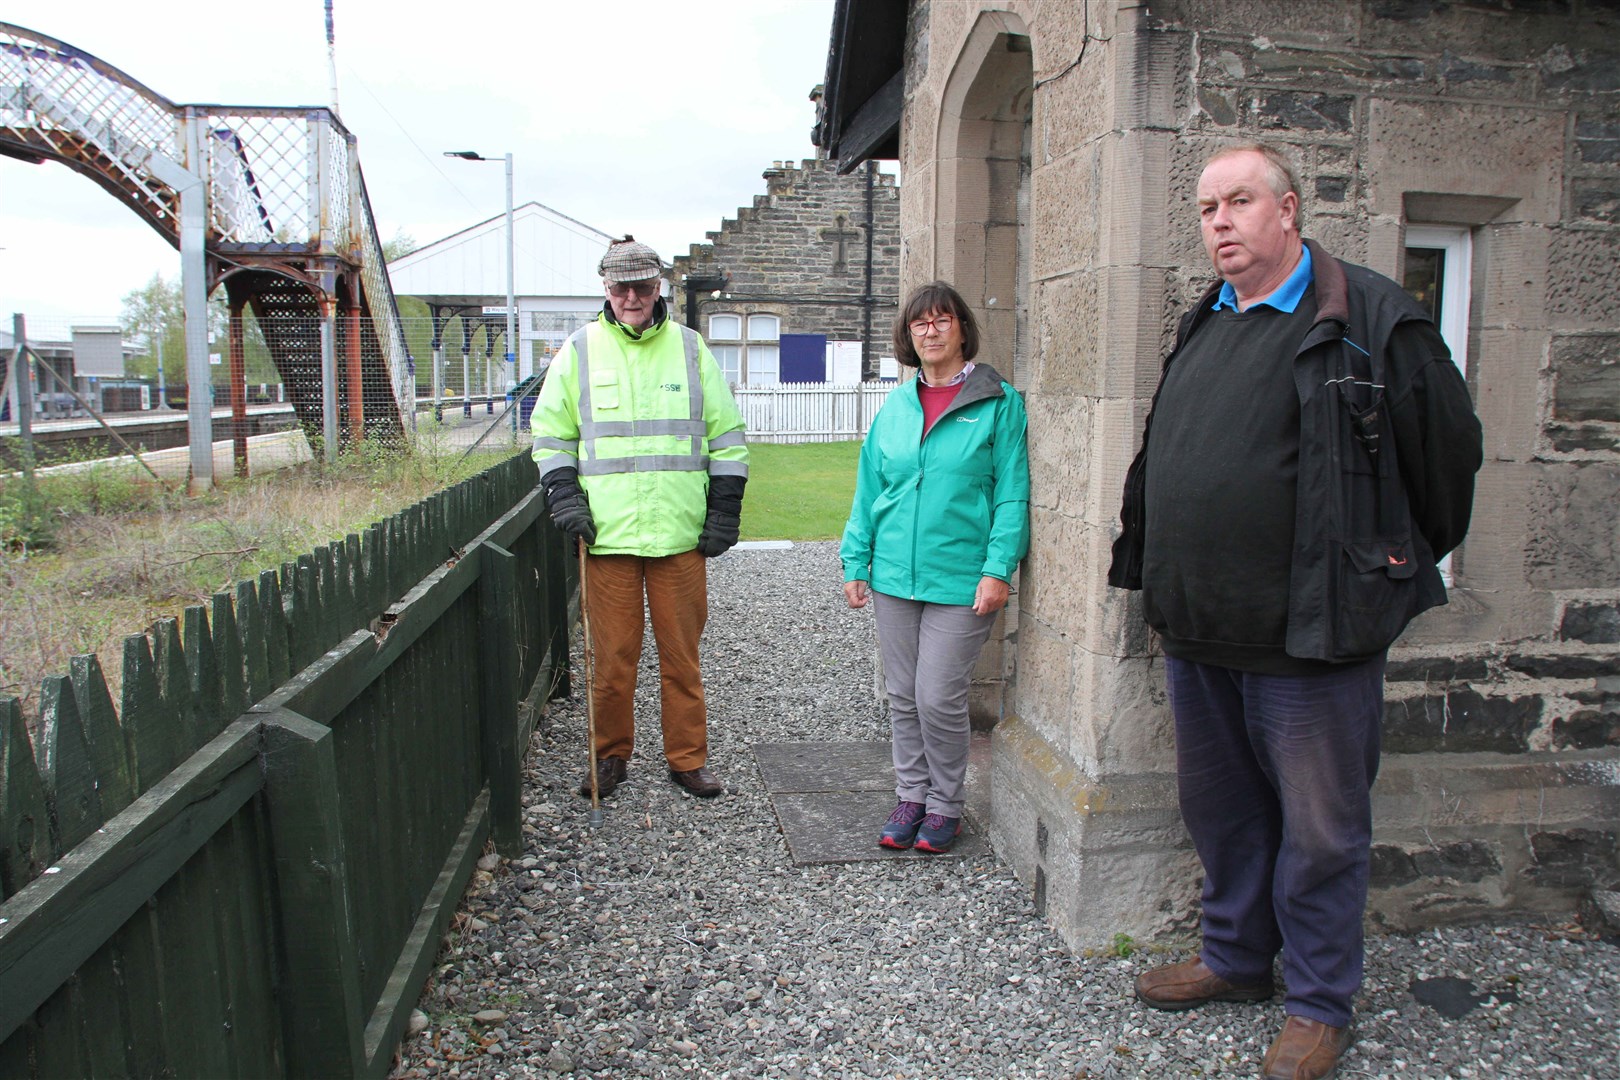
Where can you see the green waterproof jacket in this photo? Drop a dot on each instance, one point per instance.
(933, 515)
(646, 419)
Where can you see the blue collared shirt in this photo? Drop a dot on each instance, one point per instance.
(1285, 298)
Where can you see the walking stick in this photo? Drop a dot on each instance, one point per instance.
(590, 688)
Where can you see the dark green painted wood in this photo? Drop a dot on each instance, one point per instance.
(233, 700)
(142, 714)
(329, 609)
(320, 1003)
(202, 674)
(275, 627)
(388, 1019)
(374, 573)
(65, 766)
(250, 632)
(352, 584)
(25, 829)
(192, 989)
(498, 634)
(257, 1025)
(58, 1035)
(114, 784)
(57, 922)
(179, 728)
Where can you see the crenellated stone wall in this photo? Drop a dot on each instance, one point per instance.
(800, 252)
(1084, 129)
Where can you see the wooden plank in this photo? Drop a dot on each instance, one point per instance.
(192, 989)
(114, 784)
(233, 699)
(255, 652)
(329, 616)
(65, 766)
(174, 683)
(388, 1019)
(202, 675)
(321, 1009)
(505, 531)
(271, 605)
(143, 716)
(25, 830)
(503, 757)
(256, 1024)
(50, 927)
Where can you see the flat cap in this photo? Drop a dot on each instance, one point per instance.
(629, 260)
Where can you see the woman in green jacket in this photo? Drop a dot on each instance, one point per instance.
(939, 522)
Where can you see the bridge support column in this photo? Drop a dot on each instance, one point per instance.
(194, 293)
(239, 430)
(357, 385)
(329, 377)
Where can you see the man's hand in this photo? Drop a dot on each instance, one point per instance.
(569, 507)
(856, 593)
(719, 533)
(990, 597)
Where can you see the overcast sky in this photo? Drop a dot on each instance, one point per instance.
(655, 118)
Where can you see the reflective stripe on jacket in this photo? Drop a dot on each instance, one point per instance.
(646, 420)
(933, 515)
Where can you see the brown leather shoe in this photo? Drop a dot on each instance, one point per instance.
(610, 773)
(1190, 984)
(1305, 1050)
(698, 781)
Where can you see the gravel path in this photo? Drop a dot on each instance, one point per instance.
(680, 940)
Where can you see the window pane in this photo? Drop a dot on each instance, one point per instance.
(763, 365)
(764, 328)
(728, 357)
(725, 326)
(1425, 277)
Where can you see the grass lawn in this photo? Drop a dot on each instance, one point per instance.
(799, 492)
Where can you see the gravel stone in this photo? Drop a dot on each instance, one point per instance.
(680, 939)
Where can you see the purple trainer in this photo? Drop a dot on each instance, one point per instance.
(900, 830)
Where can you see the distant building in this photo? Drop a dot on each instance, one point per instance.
(803, 285)
(555, 282)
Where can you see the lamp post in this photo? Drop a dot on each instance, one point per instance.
(511, 283)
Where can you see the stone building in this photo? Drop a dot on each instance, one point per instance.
(815, 260)
(1470, 150)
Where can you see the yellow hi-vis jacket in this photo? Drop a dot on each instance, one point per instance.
(646, 419)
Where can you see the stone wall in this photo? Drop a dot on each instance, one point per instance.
(800, 252)
(1500, 787)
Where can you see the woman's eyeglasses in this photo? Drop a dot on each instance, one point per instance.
(942, 323)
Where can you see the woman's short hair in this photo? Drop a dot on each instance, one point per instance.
(936, 296)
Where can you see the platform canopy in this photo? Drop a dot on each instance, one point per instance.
(554, 256)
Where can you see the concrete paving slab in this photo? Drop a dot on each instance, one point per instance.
(831, 799)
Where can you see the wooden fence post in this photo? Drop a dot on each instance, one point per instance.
(322, 1020)
(503, 757)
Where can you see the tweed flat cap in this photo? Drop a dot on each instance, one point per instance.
(629, 260)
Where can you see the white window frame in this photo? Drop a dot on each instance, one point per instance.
(729, 356)
(757, 373)
(764, 328)
(736, 331)
(1456, 244)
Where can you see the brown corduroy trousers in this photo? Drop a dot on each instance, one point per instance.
(676, 590)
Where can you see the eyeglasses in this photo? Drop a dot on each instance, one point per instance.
(941, 323)
(643, 289)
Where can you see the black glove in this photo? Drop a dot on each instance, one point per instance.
(569, 507)
(719, 533)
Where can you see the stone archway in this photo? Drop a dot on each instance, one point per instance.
(984, 180)
(982, 201)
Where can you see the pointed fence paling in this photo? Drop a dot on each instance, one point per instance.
(285, 692)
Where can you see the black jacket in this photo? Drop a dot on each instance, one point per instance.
(1389, 445)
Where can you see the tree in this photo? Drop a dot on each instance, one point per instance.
(154, 319)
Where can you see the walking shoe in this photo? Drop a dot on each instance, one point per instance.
(610, 773)
(1305, 1050)
(938, 833)
(900, 831)
(1191, 983)
(698, 781)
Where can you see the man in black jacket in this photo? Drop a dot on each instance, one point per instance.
(1309, 456)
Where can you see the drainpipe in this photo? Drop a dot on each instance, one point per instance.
(867, 370)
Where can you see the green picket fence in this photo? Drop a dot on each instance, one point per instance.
(245, 869)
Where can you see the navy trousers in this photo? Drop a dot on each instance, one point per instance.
(1275, 774)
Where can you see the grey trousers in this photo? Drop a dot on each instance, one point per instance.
(929, 652)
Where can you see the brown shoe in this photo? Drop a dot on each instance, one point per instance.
(698, 781)
(610, 773)
(1305, 1050)
(1190, 984)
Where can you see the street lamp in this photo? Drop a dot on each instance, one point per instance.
(511, 298)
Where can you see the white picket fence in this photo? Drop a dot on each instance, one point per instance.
(810, 413)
